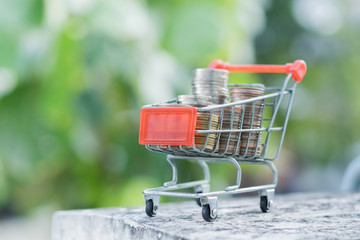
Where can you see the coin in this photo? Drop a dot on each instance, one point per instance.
(253, 114)
(211, 82)
(203, 122)
(194, 100)
(231, 119)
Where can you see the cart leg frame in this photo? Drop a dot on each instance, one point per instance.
(207, 198)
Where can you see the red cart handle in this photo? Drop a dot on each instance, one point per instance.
(297, 68)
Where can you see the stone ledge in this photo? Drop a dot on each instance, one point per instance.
(294, 216)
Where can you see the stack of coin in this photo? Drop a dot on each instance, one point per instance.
(255, 139)
(202, 123)
(235, 114)
(211, 82)
(252, 118)
(194, 100)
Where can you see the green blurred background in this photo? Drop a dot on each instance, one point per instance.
(74, 75)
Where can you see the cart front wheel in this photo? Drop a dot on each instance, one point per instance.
(206, 213)
(149, 208)
(264, 204)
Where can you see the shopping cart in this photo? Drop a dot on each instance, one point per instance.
(171, 130)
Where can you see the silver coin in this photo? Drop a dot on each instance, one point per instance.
(211, 82)
(194, 100)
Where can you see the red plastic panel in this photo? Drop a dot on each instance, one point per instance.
(168, 125)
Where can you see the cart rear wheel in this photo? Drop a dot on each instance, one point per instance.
(198, 199)
(264, 204)
(206, 213)
(149, 208)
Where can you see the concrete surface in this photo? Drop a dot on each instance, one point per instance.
(293, 216)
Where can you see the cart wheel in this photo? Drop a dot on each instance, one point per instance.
(206, 213)
(149, 208)
(198, 199)
(264, 204)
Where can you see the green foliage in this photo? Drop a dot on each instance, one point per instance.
(69, 127)
(73, 79)
(324, 125)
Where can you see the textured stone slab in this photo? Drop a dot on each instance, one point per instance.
(294, 216)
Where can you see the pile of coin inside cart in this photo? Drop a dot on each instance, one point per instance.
(210, 88)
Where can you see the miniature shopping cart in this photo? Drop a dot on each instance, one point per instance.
(173, 130)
